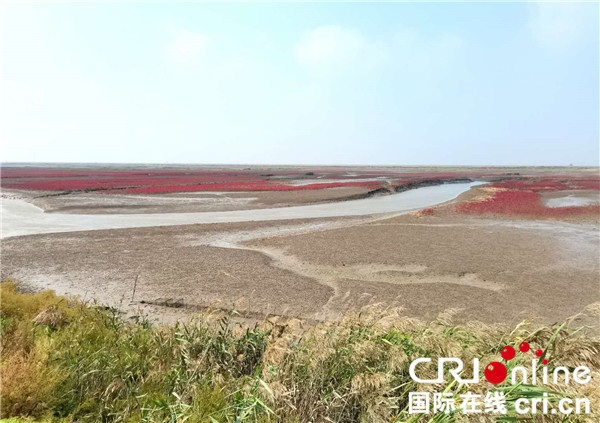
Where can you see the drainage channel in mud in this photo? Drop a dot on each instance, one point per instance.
(331, 276)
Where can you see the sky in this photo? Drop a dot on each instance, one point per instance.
(301, 83)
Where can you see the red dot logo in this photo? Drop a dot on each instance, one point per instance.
(495, 372)
(539, 353)
(524, 347)
(508, 353)
(544, 361)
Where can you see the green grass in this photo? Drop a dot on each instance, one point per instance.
(63, 360)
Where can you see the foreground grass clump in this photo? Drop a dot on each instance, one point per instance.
(67, 361)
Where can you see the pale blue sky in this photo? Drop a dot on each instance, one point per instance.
(318, 83)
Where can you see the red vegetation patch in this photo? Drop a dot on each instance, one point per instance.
(509, 202)
(527, 203)
(12, 173)
(543, 185)
(585, 184)
(163, 181)
(550, 184)
(110, 183)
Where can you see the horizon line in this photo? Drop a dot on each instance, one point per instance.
(14, 163)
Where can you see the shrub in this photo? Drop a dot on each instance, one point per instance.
(97, 367)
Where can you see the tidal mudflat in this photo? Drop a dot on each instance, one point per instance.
(482, 244)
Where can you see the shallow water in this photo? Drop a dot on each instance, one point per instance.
(570, 201)
(22, 218)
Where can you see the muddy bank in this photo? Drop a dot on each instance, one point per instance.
(189, 202)
(391, 189)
